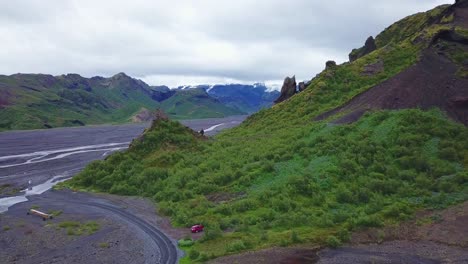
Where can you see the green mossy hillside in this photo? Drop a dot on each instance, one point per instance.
(316, 181)
(283, 178)
(196, 103)
(34, 101)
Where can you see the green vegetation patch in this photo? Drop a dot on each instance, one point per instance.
(187, 242)
(104, 245)
(75, 228)
(55, 213)
(374, 172)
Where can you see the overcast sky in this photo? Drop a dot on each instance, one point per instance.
(190, 42)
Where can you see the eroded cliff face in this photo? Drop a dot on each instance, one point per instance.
(288, 89)
(439, 78)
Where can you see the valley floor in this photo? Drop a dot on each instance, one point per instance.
(87, 228)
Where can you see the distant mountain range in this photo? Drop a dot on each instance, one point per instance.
(31, 101)
(244, 97)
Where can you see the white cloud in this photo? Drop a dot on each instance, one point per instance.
(190, 42)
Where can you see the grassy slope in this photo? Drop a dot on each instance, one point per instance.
(196, 103)
(55, 105)
(286, 179)
(41, 101)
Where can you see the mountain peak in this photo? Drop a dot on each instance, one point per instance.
(120, 75)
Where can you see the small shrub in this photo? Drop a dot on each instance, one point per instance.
(104, 245)
(194, 254)
(204, 257)
(76, 228)
(295, 238)
(369, 221)
(185, 242)
(398, 210)
(6, 228)
(236, 246)
(284, 243)
(91, 227)
(55, 213)
(437, 218)
(344, 235)
(212, 233)
(333, 242)
(380, 236)
(71, 232)
(69, 224)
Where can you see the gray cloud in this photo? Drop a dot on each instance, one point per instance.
(190, 42)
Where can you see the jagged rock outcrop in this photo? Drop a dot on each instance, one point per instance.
(75, 81)
(369, 47)
(143, 116)
(303, 85)
(160, 115)
(288, 89)
(449, 35)
(330, 65)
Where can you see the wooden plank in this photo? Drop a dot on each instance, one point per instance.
(39, 213)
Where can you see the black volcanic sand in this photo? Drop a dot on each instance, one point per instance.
(28, 239)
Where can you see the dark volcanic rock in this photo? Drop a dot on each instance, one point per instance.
(369, 47)
(330, 65)
(461, 3)
(432, 82)
(304, 85)
(160, 115)
(288, 89)
(450, 36)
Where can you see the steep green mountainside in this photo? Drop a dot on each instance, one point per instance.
(42, 101)
(31, 101)
(294, 174)
(196, 103)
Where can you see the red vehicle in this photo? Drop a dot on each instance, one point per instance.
(197, 228)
